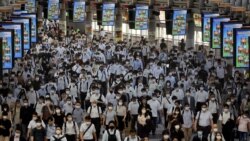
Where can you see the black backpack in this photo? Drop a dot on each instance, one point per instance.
(112, 137)
(58, 139)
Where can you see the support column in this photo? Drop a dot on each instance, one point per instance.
(62, 20)
(88, 22)
(118, 24)
(151, 24)
(190, 34)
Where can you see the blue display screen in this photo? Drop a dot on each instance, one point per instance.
(19, 12)
(241, 46)
(179, 22)
(215, 32)
(108, 14)
(79, 11)
(53, 9)
(18, 43)
(26, 31)
(227, 38)
(33, 26)
(7, 49)
(141, 17)
(206, 25)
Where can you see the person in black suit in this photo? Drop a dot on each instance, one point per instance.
(17, 136)
(199, 137)
(141, 77)
(188, 99)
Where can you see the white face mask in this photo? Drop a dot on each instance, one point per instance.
(215, 129)
(203, 109)
(120, 103)
(143, 111)
(177, 127)
(58, 111)
(165, 136)
(58, 132)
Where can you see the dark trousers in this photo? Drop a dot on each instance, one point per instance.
(165, 110)
(70, 137)
(215, 117)
(133, 121)
(97, 123)
(154, 123)
(227, 133)
(103, 88)
(205, 130)
(83, 96)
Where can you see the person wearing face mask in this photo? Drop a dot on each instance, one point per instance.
(245, 103)
(243, 122)
(213, 107)
(47, 110)
(199, 136)
(39, 105)
(177, 132)
(77, 113)
(58, 136)
(228, 123)
(17, 136)
(109, 115)
(165, 136)
(218, 137)
(32, 95)
(167, 104)
(111, 134)
(25, 116)
(87, 130)
(121, 112)
(5, 127)
(143, 123)
(32, 124)
(133, 107)
(137, 64)
(132, 136)
(95, 113)
(68, 106)
(190, 100)
(155, 109)
(204, 121)
(213, 134)
(38, 133)
(188, 120)
(50, 128)
(58, 116)
(178, 92)
(54, 96)
(70, 128)
(201, 97)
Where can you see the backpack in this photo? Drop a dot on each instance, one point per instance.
(112, 137)
(58, 139)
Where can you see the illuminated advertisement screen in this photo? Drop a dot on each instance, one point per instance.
(227, 38)
(1, 59)
(19, 12)
(7, 48)
(215, 31)
(53, 9)
(141, 17)
(33, 25)
(108, 14)
(241, 48)
(206, 25)
(197, 19)
(30, 6)
(26, 30)
(79, 11)
(179, 22)
(18, 38)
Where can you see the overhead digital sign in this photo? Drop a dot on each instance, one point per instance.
(7, 48)
(215, 31)
(241, 47)
(26, 30)
(33, 25)
(18, 38)
(206, 25)
(19, 12)
(108, 14)
(179, 22)
(79, 11)
(141, 17)
(53, 9)
(227, 38)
